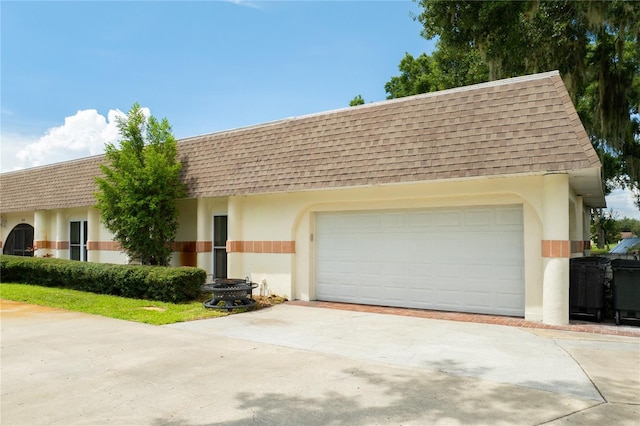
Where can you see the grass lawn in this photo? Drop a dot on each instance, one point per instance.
(146, 311)
(595, 251)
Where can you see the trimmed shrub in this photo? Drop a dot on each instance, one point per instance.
(167, 284)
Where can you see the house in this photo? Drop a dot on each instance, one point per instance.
(472, 199)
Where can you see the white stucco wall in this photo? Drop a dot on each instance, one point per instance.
(550, 212)
(187, 218)
(291, 217)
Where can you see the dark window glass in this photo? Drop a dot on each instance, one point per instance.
(74, 236)
(75, 252)
(220, 231)
(220, 263)
(84, 240)
(220, 246)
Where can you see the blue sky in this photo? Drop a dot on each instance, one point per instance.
(69, 68)
(206, 66)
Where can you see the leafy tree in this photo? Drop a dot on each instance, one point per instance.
(357, 100)
(419, 75)
(593, 44)
(604, 229)
(138, 191)
(628, 225)
(445, 69)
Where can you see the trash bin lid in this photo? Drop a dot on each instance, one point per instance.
(625, 264)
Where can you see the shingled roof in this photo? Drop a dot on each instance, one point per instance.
(519, 126)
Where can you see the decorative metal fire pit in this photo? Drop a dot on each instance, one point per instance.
(230, 293)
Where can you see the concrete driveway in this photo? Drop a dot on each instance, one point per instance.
(291, 365)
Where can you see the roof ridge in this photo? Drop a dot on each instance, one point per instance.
(445, 92)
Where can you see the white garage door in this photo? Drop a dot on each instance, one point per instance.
(463, 259)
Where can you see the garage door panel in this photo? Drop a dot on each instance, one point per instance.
(396, 295)
(369, 268)
(478, 300)
(347, 291)
(509, 273)
(420, 248)
(451, 245)
(394, 221)
(478, 270)
(468, 259)
(448, 218)
(367, 222)
(505, 303)
(370, 291)
(479, 217)
(447, 270)
(420, 272)
(509, 216)
(419, 221)
(450, 299)
(421, 296)
(338, 267)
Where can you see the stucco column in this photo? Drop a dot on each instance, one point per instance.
(234, 233)
(580, 216)
(586, 230)
(204, 236)
(556, 249)
(62, 236)
(93, 235)
(40, 232)
(579, 238)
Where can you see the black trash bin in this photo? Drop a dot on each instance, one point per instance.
(587, 284)
(626, 289)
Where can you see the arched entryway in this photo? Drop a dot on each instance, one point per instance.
(20, 241)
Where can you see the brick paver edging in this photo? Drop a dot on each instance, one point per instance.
(581, 327)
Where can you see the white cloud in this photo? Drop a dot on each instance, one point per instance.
(621, 203)
(82, 135)
(11, 144)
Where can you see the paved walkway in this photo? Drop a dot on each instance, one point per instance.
(291, 365)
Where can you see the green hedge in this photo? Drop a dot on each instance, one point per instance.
(167, 284)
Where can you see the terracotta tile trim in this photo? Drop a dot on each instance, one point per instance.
(52, 245)
(177, 246)
(184, 246)
(577, 246)
(587, 245)
(582, 327)
(286, 247)
(43, 244)
(103, 246)
(204, 246)
(192, 246)
(556, 248)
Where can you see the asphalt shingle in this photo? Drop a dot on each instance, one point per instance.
(525, 125)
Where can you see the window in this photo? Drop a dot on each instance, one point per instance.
(78, 240)
(220, 246)
(20, 241)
